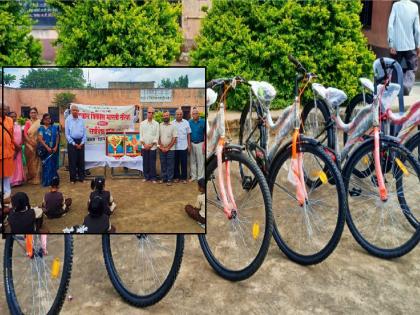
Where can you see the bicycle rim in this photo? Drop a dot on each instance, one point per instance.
(143, 267)
(384, 229)
(307, 234)
(236, 247)
(37, 285)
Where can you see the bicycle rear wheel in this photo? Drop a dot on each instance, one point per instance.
(307, 234)
(236, 247)
(37, 284)
(142, 267)
(383, 228)
(317, 123)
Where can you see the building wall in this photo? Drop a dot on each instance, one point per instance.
(42, 98)
(131, 85)
(192, 16)
(377, 34)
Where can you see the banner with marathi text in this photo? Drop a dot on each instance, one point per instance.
(100, 119)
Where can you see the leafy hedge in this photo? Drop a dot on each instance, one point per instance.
(253, 38)
(17, 46)
(117, 33)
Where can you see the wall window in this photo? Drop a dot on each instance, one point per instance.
(366, 14)
(24, 111)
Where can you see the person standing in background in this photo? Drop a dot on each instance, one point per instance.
(18, 177)
(198, 128)
(167, 140)
(30, 133)
(7, 148)
(76, 139)
(182, 147)
(404, 38)
(149, 137)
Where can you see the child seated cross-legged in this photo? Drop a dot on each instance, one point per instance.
(98, 187)
(97, 221)
(22, 218)
(198, 212)
(54, 204)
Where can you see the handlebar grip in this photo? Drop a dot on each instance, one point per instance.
(296, 63)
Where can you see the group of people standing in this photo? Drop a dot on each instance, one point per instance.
(38, 135)
(174, 140)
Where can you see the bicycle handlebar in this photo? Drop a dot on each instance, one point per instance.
(216, 82)
(297, 64)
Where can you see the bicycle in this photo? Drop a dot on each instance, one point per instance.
(371, 170)
(142, 278)
(307, 227)
(238, 218)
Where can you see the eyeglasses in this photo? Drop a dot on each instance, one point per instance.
(150, 112)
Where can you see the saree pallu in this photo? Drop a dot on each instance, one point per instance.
(33, 162)
(18, 177)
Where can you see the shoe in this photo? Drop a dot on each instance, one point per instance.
(73, 182)
(176, 180)
(184, 181)
(144, 180)
(191, 180)
(154, 182)
(160, 181)
(169, 184)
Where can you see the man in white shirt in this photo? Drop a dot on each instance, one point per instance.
(183, 146)
(404, 33)
(149, 137)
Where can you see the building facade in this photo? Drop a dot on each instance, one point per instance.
(20, 100)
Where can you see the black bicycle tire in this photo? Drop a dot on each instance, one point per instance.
(142, 300)
(370, 248)
(358, 99)
(248, 271)
(64, 282)
(342, 204)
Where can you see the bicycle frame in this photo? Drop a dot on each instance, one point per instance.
(217, 142)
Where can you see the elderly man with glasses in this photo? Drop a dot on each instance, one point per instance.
(149, 137)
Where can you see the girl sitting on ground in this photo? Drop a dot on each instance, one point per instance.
(54, 204)
(198, 212)
(22, 218)
(97, 221)
(98, 187)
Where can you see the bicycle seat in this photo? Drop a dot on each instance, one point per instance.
(211, 97)
(332, 96)
(389, 94)
(264, 91)
(367, 84)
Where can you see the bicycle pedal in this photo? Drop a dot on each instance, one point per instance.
(355, 192)
(247, 182)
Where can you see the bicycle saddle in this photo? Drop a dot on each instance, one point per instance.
(332, 96)
(389, 94)
(368, 84)
(264, 91)
(211, 97)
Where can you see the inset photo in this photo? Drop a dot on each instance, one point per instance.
(97, 150)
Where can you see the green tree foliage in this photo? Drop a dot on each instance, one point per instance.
(253, 38)
(8, 78)
(63, 100)
(70, 78)
(17, 46)
(117, 33)
(181, 82)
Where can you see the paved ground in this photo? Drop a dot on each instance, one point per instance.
(350, 281)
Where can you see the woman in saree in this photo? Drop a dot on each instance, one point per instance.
(7, 148)
(30, 133)
(49, 137)
(18, 177)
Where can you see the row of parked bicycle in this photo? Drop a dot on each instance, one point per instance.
(300, 189)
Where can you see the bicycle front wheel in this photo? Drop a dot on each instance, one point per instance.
(236, 247)
(143, 267)
(37, 283)
(384, 228)
(307, 234)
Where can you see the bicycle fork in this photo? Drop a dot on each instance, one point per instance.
(226, 193)
(383, 193)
